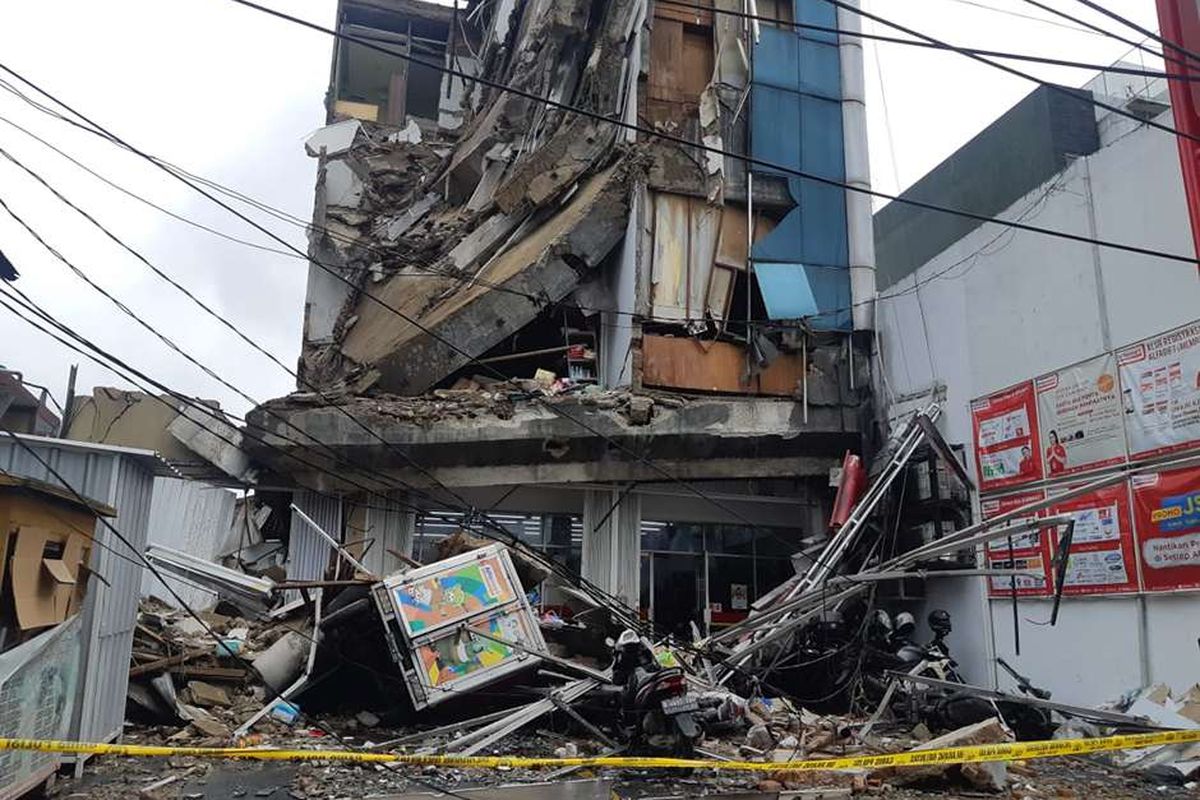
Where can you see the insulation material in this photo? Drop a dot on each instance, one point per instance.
(363, 111)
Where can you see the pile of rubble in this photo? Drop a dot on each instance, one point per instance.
(204, 689)
(454, 658)
(480, 396)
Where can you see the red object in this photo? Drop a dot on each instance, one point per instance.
(1167, 514)
(1030, 552)
(1102, 552)
(850, 489)
(1007, 445)
(1179, 21)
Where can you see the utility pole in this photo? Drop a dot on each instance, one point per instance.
(68, 402)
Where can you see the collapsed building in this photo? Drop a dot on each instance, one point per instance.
(577, 314)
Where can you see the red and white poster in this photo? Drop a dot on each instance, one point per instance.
(1006, 438)
(1167, 517)
(1079, 417)
(1102, 552)
(1160, 392)
(1030, 551)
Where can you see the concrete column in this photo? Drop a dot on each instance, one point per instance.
(612, 547)
(860, 227)
(390, 526)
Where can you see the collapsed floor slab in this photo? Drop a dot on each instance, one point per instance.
(465, 440)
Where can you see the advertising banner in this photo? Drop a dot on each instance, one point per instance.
(1160, 388)
(1079, 417)
(1030, 551)
(1167, 513)
(1102, 552)
(1006, 438)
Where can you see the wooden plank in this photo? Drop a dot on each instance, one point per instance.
(782, 377)
(681, 363)
(163, 663)
(683, 14)
(697, 67)
(210, 673)
(666, 60)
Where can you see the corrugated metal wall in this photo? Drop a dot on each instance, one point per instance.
(125, 481)
(308, 553)
(192, 517)
(110, 612)
(89, 473)
(390, 527)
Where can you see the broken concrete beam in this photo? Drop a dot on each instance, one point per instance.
(556, 165)
(529, 442)
(209, 436)
(453, 321)
(991, 776)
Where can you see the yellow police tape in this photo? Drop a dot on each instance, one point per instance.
(1009, 751)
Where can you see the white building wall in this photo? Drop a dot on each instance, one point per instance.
(1002, 306)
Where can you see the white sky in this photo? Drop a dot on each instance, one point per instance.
(230, 93)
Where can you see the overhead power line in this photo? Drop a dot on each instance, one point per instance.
(1075, 93)
(740, 156)
(877, 37)
(621, 123)
(275, 693)
(1009, 12)
(690, 487)
(1134, 43)
(1149, 34)
(470, 516)
(423, 266)
(614, 604)
(464, 508)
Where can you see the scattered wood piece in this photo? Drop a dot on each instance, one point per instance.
(230, 674)
(163, 663)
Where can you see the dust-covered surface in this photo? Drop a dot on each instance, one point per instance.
(195, 779)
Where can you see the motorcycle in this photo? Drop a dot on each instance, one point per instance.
(948, 709)
(658, 715)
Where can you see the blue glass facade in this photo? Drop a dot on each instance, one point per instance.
(796, 123)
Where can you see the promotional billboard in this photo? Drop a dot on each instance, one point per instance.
(1102, 552)
(1079, 418)
(1006, 438)
(1030, 553)
(1167, 514)
(1160, 392)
